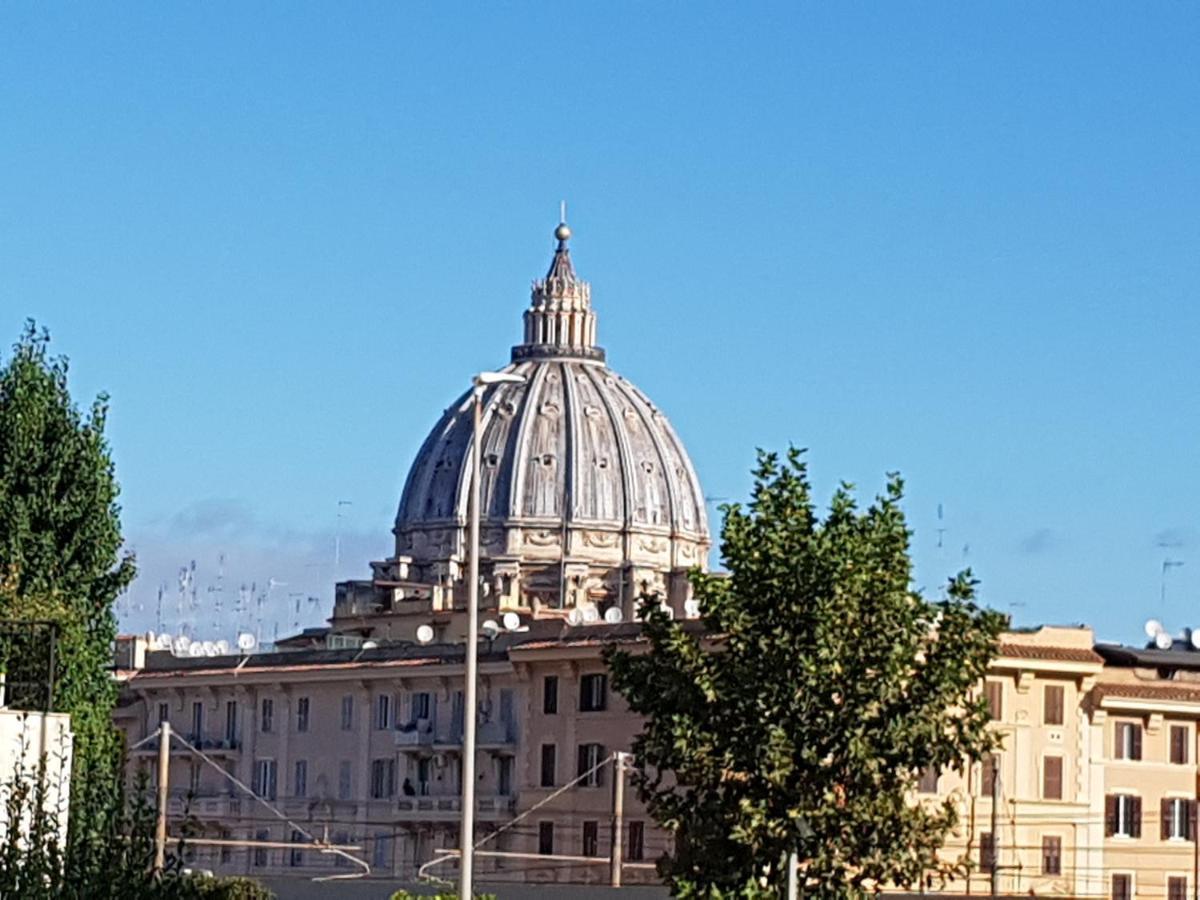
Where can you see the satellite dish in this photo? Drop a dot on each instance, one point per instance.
(222, 647)
(162, 642)
(1194, 639)
(574, 616)
(490, 629)
(424, 633)
(1163, 641)
(613, 615)
(591, 615)
(246, 641)
(1153, 628)
(511, 621)
(691, 608)
(369, 645)
(179, 645)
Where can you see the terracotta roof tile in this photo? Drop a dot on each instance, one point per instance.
(1148, 692)
(1060, 654)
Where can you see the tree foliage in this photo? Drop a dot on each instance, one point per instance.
(802, 715)
(61, 560)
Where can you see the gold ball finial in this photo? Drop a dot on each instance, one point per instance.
(562, 232)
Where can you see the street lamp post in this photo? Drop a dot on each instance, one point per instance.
(467, 857)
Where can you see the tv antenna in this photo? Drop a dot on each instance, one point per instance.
(1167, 565)
(941, 529)
(337, 537)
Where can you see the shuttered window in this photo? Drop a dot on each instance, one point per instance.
(591, 838)
(1179, 744)
(545, 838)
(987, 851)
(1177, 888)
(1177, 815)
(1051, 854)
(549, 765)
(1052, 704)
(991, 762)
(1123, 815)
(1052, 778)
(1127, 740)
(994, 691)
(1122, 887)
(928, 782)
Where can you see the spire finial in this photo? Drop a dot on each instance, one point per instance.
(562, 232)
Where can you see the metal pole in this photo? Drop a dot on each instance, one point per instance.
(164, 768)
(467, 863)
(793, 879)
(995, 821)
(615, 853)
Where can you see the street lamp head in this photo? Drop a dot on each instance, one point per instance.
(483, 379)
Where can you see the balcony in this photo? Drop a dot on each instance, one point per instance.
(211, 746)
(415, 735)
(445, 807)
(204, 806)
(423, 736)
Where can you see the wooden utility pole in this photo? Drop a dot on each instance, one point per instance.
(995, 820)
(164, 769)
(615, 856)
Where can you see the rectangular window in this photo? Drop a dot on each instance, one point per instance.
(1052, 778)
(590, 757)
(381, 851)
(1127, 740)
(302, 714)
(300, 778)
(1123, 815)
(347, 712)
(636, 850)
(383, 712)
(1122, 887)
(265, 781)
(267, 719)
(987, 769)
(164, 712)
(987, 851)
(1177, 888)
(1052, 704)
(994, 692)
(343, 838)
(345, 780)
(261, 854)
(1179, 744)
(545, 838)
(1176, 815)
(550, 695)
(1051, 855)
(549, 765)
(420, 705)
(197, 722)
(231, 729)
(297, 856)
(383, 779)
(927, 783)
(593, 692)
(591, 838)
(504, 769)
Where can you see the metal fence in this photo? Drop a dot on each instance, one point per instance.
(28, 664)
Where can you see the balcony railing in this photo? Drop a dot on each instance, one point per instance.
(445, 806)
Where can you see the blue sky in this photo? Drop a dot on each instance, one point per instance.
(954, 240)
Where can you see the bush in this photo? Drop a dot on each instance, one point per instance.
(440, 895)
(228, 889)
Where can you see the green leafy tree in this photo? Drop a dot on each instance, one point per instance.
(61, 560)
(801, 716)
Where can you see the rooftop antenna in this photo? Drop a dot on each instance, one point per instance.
(562, 211)
(1167, 564)
(337, 538)
(941, 529)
